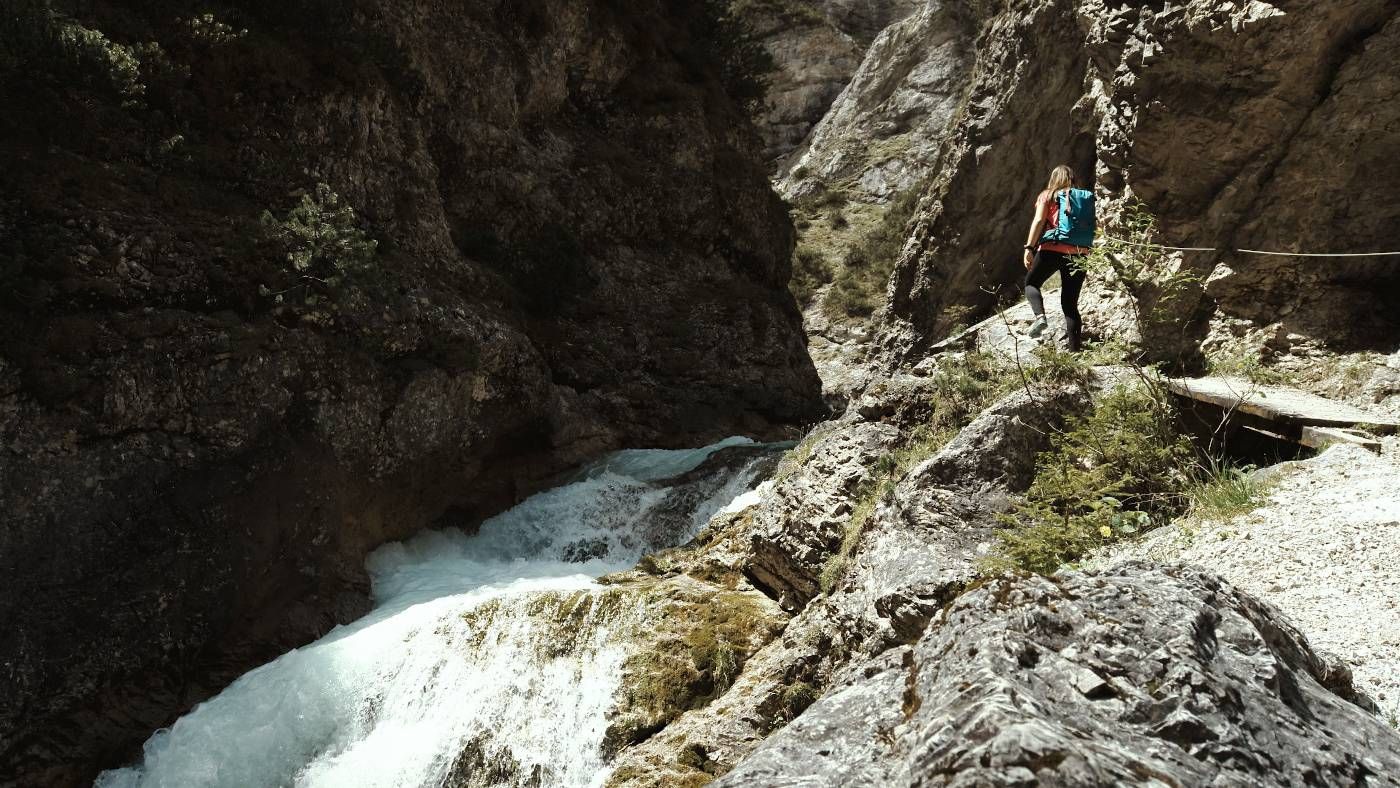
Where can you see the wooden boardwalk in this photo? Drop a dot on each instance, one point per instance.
(1285, 412)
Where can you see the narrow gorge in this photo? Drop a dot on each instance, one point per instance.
(541, 393)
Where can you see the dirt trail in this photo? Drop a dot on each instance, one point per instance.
(1324, 547)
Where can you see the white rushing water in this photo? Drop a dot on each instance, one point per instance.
(486, 656)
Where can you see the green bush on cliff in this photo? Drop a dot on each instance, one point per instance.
(1117, 471)
(723, 43)
(810, 271)
(324, 249)
(37, 42)
(1159, 290)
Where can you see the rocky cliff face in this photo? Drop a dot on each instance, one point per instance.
(816, 46)
(209, 417)
(909, 665)
(1290, 85)
(883, 134)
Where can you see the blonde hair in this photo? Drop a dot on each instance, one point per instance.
(1061, 178)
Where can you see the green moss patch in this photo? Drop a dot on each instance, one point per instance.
(697, 639)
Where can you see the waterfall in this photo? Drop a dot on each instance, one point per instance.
(490, 659)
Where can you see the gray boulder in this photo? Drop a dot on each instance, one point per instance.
(1142, 675)
(801, 526)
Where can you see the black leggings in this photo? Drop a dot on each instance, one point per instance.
(1071, 275)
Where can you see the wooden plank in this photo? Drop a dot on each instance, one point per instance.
(1322, 437)
(1277, 403)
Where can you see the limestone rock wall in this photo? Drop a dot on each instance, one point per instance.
(816, 46)
(884, 134)
(1086, 679)
(1215, 117)
(576, 251)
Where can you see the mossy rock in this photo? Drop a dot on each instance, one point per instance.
(697, 638)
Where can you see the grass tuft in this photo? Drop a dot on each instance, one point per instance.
(859, 286)
(1223, 491)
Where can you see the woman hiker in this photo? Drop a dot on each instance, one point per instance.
(1044, 257)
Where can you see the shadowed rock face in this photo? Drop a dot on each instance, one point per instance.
(1217, 117)
(1144, 673)
(576, 252)
(816, 46)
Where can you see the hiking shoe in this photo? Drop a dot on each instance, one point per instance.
(1038, 327)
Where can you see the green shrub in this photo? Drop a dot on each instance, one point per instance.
(209, 30)
(797, 698)
(38, 42)
(1245, 364)
(325, 250)
(1159, 291)
(830, 199)
(1119, 470)
(723, 42)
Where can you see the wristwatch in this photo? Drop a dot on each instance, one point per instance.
(1030, 247)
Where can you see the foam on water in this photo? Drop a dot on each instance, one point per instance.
(483, 652)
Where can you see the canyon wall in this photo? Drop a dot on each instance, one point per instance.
(290, 280)
(1214, 118)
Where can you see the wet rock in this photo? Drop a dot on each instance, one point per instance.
(1087, 679)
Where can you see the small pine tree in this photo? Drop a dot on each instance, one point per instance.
(324, 247)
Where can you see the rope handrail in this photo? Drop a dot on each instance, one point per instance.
(1245, 251)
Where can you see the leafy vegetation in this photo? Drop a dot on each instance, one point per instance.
(1119, 470)
(1223, 491)
(37, 41)
(1248, 365)
(724, 41)
(325, 250)
(797, 698)
(810, 271)
(1160, 290)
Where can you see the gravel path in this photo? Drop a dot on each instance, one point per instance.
(1324, 548)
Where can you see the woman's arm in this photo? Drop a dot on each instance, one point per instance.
(1037, 227)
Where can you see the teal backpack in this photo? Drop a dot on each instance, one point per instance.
(1077, 220)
